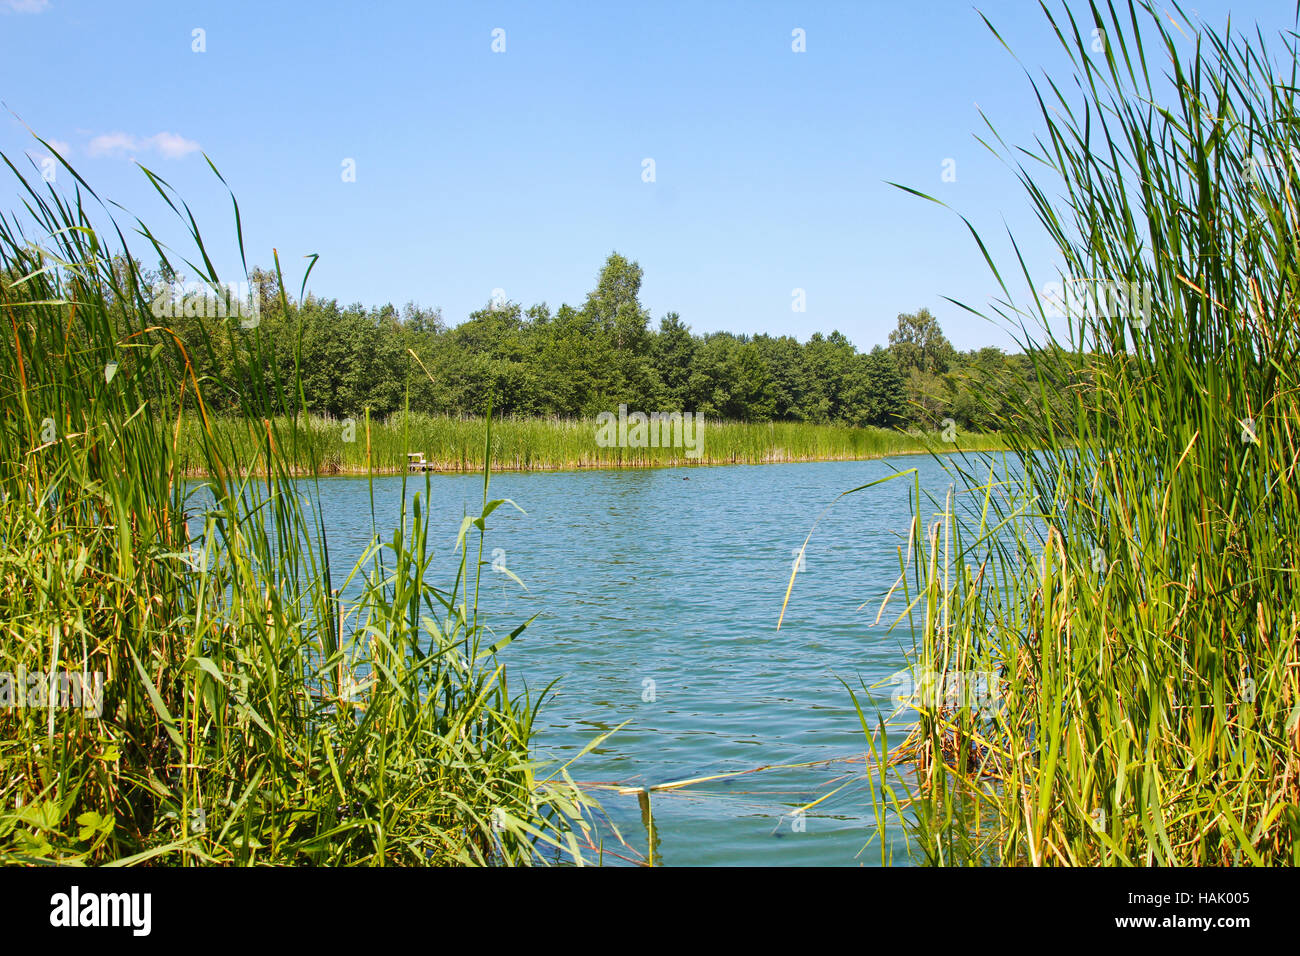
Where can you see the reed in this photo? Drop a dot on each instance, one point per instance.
(247, 716)
(451, 444)
(1126, 573)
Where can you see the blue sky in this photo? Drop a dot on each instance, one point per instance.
(521, 170)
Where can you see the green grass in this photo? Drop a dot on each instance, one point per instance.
(248, 717)
(331, 446)
(1127, 572)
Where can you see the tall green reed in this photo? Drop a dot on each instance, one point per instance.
(248, 715)
(451, 444)
(1125, 577)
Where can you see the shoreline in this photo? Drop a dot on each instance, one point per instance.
(469, 467)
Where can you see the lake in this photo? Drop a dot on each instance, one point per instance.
(657, 594)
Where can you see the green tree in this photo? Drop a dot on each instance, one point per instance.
(673, 354)
(875, 394)
(919, 343)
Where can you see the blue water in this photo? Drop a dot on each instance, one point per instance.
(657, 594)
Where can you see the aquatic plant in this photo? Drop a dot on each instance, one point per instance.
(1125, 576)
(452, 444)
(245, 714)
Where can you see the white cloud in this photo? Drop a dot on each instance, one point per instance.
(26, 6)
(167, 145)
(110, 144)
(173, 145)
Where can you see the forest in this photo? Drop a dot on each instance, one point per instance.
(576, 362)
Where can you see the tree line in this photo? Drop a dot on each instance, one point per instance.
(580, 361)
